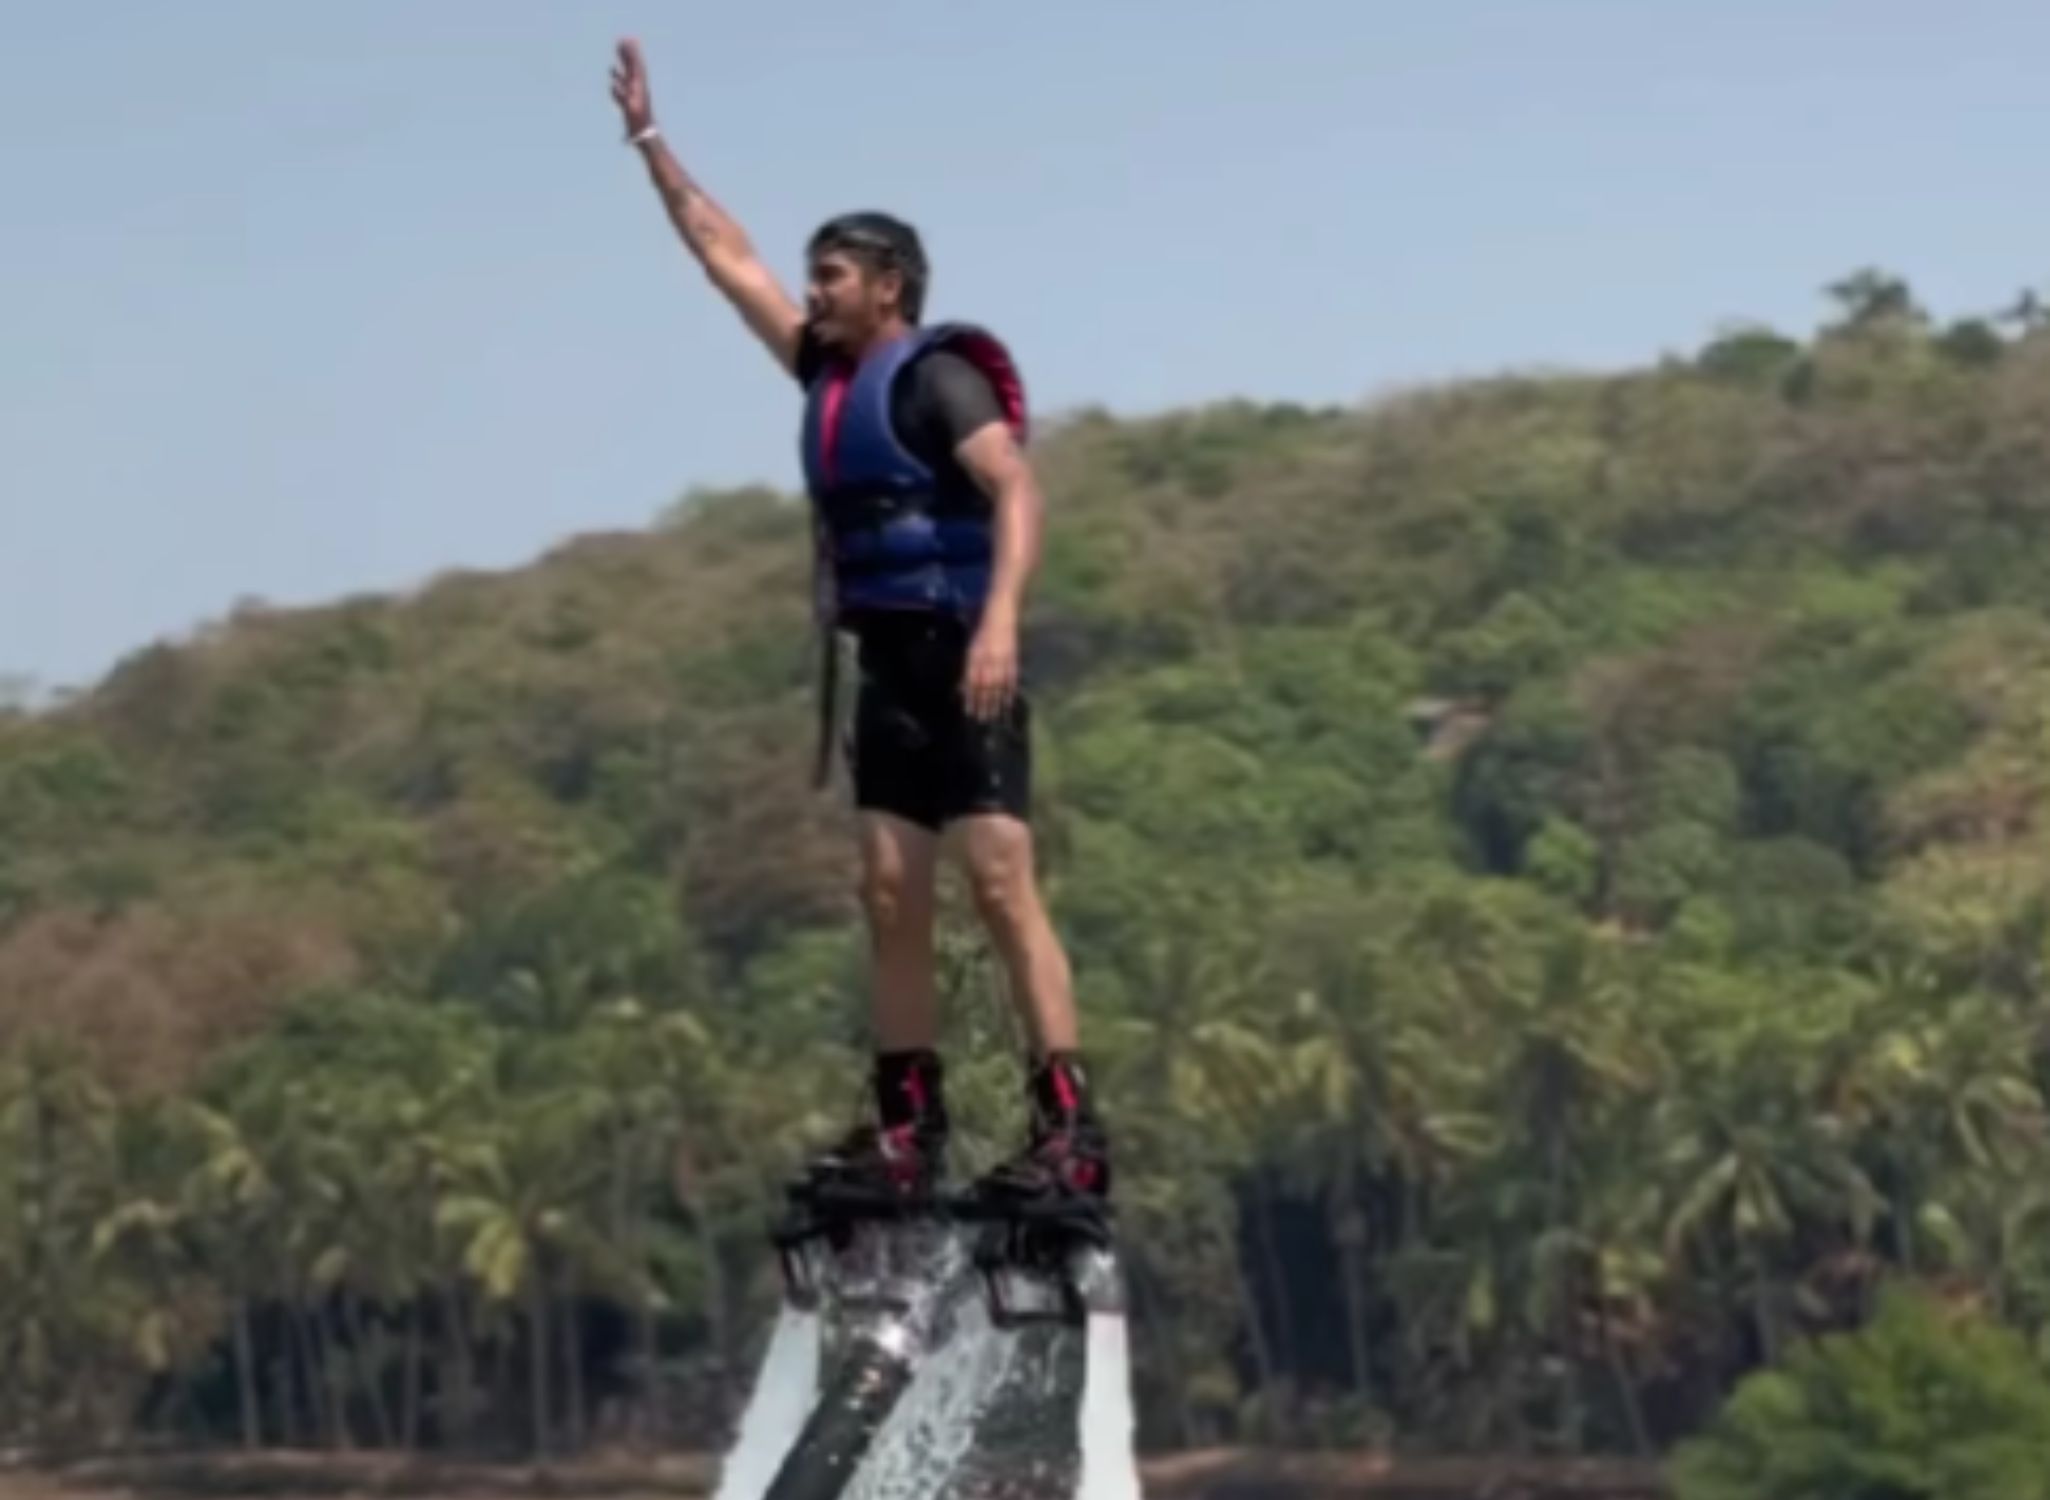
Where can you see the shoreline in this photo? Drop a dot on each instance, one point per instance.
(1209, 1474)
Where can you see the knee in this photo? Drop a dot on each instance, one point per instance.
(1000, 881)
(888, 898)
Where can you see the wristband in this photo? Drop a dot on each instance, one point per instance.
(646, 133)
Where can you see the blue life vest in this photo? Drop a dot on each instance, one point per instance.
(887, 538)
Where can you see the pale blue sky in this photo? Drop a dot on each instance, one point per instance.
(300, 300)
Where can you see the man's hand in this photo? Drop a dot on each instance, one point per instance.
(630, 89)
(991, 679)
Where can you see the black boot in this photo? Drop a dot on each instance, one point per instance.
(903, 1150)
(1067, 1152)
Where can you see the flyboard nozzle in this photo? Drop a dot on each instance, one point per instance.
(889, 1280)
(875, 1369)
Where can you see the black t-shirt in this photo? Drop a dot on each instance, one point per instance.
(940, 398)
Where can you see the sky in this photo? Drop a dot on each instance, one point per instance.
(304, 301)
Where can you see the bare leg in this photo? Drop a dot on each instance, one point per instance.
(997, 851)
(1067, 1148)
(898, 864)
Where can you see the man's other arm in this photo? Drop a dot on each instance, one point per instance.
(992, 457)
(961, 413)
(714, 236)
(988, 451)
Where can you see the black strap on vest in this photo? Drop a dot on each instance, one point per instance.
(825, 622)
(829, 686)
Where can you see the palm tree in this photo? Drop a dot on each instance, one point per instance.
(57, 1180)
(520, 1185)
(1758, 1164)
(1570, 1057)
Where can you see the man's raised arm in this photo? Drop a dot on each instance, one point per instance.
(713, 235)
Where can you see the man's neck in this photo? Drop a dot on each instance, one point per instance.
(894, 329)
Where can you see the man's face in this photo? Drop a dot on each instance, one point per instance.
(847, 303)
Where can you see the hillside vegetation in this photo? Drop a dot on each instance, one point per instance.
(1556, 871)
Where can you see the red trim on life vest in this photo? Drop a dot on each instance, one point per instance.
(833, 405)
(994, 360)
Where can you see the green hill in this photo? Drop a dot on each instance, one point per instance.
(1555, 867)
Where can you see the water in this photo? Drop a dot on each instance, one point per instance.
(1023, 1445)
(776, 1408)
(1042, 1412)
(1057, 1423)
(1110, 1467)
(933, 1428)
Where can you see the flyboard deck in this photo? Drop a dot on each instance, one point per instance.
(959, 1350)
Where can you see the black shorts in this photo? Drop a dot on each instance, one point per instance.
(915, 751)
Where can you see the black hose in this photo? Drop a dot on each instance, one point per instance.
(849, 1412)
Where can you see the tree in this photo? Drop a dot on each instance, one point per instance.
(1927, 1400)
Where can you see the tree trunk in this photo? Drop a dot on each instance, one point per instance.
(338, 1390)
(1275, 1272)
(500, 1402)
(1626, 1387)
(409, 1396)
(1768, 1323)
(35, 1340)
(369, 1370)
(573, 1369)
(1349, 1231)
(537, 1369)
(715, 1311)
(1573, 1400)
(1353, 1267)
(188, 1401)
(283, 1385)
(245, 1377)
(647, 1409)
(307, 1340)
(1256, 1333)
(1153, 1332)
(651, 1382)
(460, 1384)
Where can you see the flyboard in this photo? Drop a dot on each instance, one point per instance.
(962, 1343)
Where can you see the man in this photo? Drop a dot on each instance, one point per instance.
(926, 516)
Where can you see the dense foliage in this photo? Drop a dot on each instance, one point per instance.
(1556, 870)
(1913, 1404)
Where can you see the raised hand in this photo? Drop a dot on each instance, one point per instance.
(630, 88)
(713, 235)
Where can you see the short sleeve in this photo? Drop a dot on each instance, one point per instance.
(950, 400)
(811, 355)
